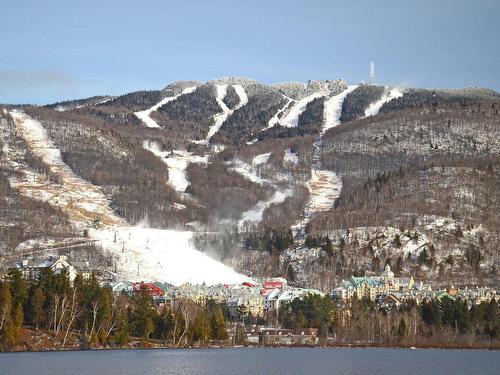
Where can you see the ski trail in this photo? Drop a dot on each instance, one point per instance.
(145, 116)
(276, 118)
(324, 185)
(163, 255)
(255, 214)
(333, 109)
(138, 253)
(291, 118)
(387, 96)
(240, 91)
(80, 199)
(177, 162)
(220, 117)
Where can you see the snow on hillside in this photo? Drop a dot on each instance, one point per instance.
(81, 200)
(139, 253)
(290, 157)
(177, 162)
(254, 215)
(69, 106)
(275, 119)
(240, 91)
(246, 171)
(261, 159)
(163, 256)
(291, 118)
(333, 109)
(324, 185)
(387, 96)
(220, 117)
(145, 116)
(324, 188)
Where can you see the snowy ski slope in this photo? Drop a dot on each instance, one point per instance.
(177, 162)
(221, 117)
(333, 109)
(145, 116)
(387, 96)
(139, 253)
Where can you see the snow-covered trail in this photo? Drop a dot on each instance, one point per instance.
(333, 109)
(163, 256)
(324, 188)
(387, 96)
(221, 117)
(255, 214)
(324, 185)
(291, 117)
(177, 162)
(80, 199)
(145, 116)
(250, 172)
(139, 253)
(242, 94)
(276, 118)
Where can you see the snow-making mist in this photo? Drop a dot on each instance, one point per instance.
(138, 253)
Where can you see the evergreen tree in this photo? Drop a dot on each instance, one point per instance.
(7, 325)
(143, 313)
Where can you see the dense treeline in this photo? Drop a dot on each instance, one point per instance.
(191, 115)
(418, 98)
(84, 314)
(312, 118)
(246, 123)
(439, 323)
(357, 101)
(231, 99)
(434, 323)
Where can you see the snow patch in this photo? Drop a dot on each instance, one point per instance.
(177, 162)
(387, 96)
(261, 159)
(324, 188)
(255, 214)
(290, 157)
(240, 91)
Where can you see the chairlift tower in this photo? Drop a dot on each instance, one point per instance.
(372, 72)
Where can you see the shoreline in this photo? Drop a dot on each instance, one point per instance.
(222, 347)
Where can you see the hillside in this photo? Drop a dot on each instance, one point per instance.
(312, 181)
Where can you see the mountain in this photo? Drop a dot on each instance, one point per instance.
(219, 181)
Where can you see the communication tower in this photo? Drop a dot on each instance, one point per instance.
(372, 72)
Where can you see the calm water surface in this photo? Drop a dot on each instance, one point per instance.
(254, 361)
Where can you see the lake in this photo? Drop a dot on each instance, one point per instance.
(254, 361)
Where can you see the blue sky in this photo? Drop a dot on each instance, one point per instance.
(59, 49)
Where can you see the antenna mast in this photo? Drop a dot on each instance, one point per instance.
(372, 72)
